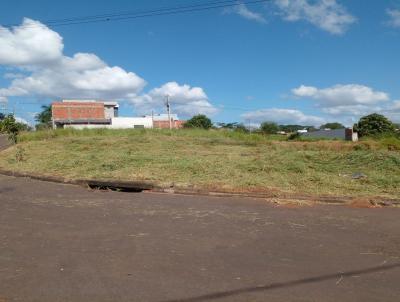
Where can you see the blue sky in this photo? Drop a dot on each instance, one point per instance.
(289, 61)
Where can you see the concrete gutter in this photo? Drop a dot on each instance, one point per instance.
(123, 186)
(139, 186)
(133, 186)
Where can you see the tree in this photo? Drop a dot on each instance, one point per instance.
(269, 128)
(242, 128)
(374, 124)
(44, 118)
(234, 126)
(11, 127)
(228, 125)
(199, 121)
(332, 126)
(2, 116)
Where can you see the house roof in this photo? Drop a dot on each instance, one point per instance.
(106, 103)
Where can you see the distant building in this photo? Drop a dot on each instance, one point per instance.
(81, 114)
(160, 121)
(302, 131)
(343, 134)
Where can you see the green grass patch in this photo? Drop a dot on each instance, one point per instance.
(212, 159)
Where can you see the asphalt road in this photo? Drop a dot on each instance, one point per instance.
(66, 243)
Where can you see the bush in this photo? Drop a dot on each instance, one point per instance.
(11, 127)
(199, 121)
(269, 128)
(294, 136)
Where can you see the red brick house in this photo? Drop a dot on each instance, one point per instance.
(83, 113)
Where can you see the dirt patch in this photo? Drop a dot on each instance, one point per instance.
(4, 144)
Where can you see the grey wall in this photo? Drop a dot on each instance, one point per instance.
(332, 134)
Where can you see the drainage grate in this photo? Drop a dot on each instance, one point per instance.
(129, 187)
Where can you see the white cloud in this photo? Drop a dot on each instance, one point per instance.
(342, 95)
(396, 105)
(31, 43)
(325, 14)
(352, 110)
(243, 11)
(21, 120)
(3, 100)
(283, 116)
(11, 75)
(348, 103)
(392, 111)
(394, 17)
(80, 76)
(35, 52)
(184, 99)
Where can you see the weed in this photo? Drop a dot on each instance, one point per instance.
(223, 159)
(20, 154)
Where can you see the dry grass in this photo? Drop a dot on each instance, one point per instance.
(215, 160)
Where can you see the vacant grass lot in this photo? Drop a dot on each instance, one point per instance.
(218, 160)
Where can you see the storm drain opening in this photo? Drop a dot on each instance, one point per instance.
(134, 187)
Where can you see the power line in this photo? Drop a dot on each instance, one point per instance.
(165, 11)
(125, 13)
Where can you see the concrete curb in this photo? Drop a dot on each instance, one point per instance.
(54, 179)
(137, 186)
(266, 195)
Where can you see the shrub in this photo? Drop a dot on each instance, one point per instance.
(294, 136)
(269, 128)
(199, 121)
(11, 127)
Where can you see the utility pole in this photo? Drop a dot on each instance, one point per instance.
(168, 110)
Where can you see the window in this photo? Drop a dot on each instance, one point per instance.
(138, 126)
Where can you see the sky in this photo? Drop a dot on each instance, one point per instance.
(288, 61)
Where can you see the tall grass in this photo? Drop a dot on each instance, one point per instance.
(215, 159)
